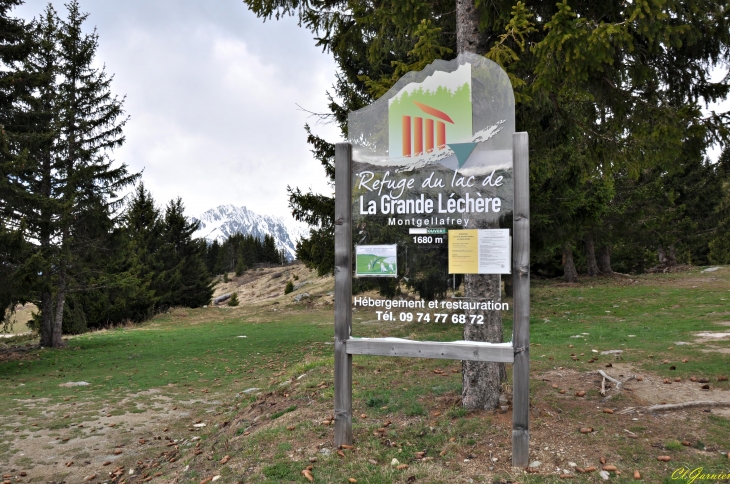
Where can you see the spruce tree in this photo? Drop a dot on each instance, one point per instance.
(90, 122)
(15, 47)
(184, 279)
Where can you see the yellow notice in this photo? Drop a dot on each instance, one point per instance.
(463, 251)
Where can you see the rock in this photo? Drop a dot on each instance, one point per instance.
(394, 462)
(503, 400)
(215, 478)
(301, 296)
(75, 384)
(710, 269)
(302, 284)
(534, 464)
(325, 451)
(222, 298)
(251, 390)
(373, 462)
(604, 475)
(612, 352)
(312, 459)
(572, 464)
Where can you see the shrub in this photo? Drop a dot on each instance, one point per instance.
(225, 277)
(233, 301)
(240, 268)
(289, 287)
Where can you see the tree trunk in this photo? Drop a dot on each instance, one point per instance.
(508, 285)
(604, 260)
(56, 330)
(672, 257)
(46, 328)
(570, 273)
(467, 29)
(662, 255)
(481, 380)
(591, 263)
(46, 308)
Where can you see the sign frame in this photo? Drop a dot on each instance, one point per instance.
(517, 353)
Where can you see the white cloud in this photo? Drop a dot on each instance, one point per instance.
(212, 94)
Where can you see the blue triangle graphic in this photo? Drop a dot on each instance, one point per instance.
(462, 151)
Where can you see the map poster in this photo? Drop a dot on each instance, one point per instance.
(376, 260)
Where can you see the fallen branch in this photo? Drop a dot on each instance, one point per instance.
(612, 380)
(674, 406)
(603, 386)
(680, 406)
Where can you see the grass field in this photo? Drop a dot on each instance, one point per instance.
(173, 396)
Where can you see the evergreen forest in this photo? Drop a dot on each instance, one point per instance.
(80, 235)
(617, 98)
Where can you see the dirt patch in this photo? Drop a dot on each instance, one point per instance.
(716, 349)
(651, 390)
(99, 438)
(266, 286)
(709, 336)
(19, 353)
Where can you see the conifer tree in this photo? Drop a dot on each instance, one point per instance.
(89, 121)
(16, 84)
(184, 280)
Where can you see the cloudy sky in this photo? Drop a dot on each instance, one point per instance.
(212, 94)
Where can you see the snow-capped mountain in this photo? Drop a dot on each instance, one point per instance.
(223, 221)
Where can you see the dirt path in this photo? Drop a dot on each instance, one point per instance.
(69, 442)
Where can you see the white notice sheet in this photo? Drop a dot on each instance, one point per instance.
(494, 251)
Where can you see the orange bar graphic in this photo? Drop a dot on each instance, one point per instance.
(440, 135)
(418, 135)
(429, 135)
(406, 130)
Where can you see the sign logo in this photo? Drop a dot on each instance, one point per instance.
(425, 117)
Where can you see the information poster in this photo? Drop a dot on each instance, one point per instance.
(433, 192)
(479, 251)
(376, 260)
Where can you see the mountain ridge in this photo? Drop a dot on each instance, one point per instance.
(221, 222)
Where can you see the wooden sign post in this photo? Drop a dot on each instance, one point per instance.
(475, 155)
